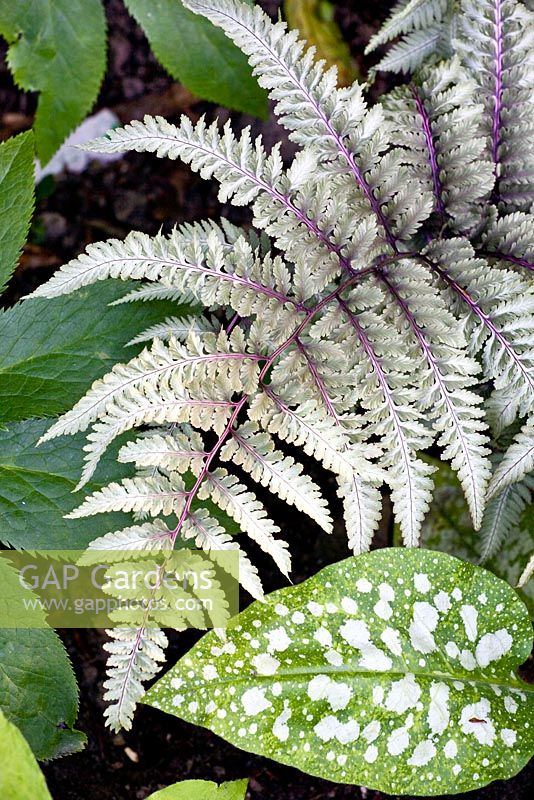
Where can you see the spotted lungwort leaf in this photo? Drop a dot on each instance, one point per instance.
(395, 669)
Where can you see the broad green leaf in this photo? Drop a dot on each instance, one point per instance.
(202, 790)
(448, 527)
(51, 350)
(16, 200)
(199, 55)
(56, 48)
(20, 776)
(314, 19)
(38, 690)
(393, 670)
(36, 490)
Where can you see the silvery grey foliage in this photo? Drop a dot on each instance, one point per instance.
(399, 315)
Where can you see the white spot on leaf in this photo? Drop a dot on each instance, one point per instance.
(450, 749)
(371, 754)
(337, 695)
(438, 709)
(423, 753)
(331, 728)
(425, 620)
(398, 741)
(371, 731)
(280, 727)
(278, 640)
(421, 582)
(469, 616)
(391, 639)
(254, 701)
(265, 664)
(475, 720)
(508, 736)
(493, 646)
(403, 694)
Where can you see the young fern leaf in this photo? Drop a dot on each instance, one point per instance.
(407, 16)
(502, 516)
(148, 536)
(255, 452)
(499, 325)
(174, 364)
(362, 506)
(437, 122)
(509, 239)
(135, 656)
(306, 96)
(151, 495)
(527, 573)
(447, 378)
(517, 462)
(391, 413)
(176, 327)
(424, 28)
(416, 47)
(494, 42)
(208, 535)
(242, 505)
(176, 451)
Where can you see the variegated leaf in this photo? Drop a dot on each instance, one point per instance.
(395, 669)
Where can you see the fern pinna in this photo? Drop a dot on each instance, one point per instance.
(399, 315)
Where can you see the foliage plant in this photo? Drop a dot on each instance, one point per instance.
(381, 306)
(53, 53)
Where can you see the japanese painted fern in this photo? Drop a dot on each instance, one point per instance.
(385, 308)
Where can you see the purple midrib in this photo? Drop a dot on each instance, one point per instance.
(497, 94)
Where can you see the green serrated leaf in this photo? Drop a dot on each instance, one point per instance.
(16, 200)
(20, 775)
(51, 351)
(36, 489)
(202, 790)
(448, 527)
(38, 691)
(56, 48)
(314, 19)
(394, 670)
(199, 55)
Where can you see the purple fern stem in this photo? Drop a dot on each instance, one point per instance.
(432, 154)
(497, 95)
(520, 262)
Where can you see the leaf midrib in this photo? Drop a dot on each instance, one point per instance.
(280, 675)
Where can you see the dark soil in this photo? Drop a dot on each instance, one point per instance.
(144, 193)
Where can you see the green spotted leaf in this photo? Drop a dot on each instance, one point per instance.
(202, 790)
(395, 669)
(20, 776)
